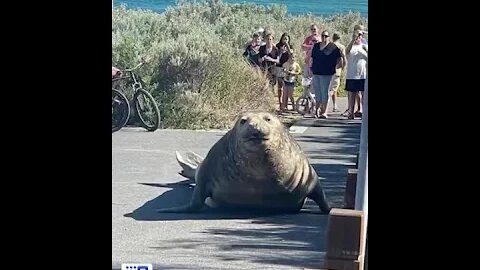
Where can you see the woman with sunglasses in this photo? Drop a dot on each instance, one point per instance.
(326, 56)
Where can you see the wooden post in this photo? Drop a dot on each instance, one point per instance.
(350, 189)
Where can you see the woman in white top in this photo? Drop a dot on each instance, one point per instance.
(357, 56)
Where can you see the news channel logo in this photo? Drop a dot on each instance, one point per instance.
(137, 266)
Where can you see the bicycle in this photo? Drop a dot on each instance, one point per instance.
(148, 114)
(305, 104)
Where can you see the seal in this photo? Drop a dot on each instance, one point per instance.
(256, 165)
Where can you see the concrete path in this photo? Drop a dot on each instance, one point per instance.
(145, 177)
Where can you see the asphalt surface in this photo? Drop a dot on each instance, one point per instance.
(145, 177)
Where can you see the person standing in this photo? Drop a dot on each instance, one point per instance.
(326, 56)
(357, 56)
(335, 83)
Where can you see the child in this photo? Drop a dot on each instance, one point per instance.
(291, 69)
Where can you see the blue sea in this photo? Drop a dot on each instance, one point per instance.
(294, 7)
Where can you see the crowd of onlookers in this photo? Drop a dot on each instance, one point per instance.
(326, 60)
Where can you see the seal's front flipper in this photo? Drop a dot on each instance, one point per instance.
(319, 197)
(189, 164)
(197, 203)
(181, 209)
(189, 208)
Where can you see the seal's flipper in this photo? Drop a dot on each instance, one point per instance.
(318, 196)
(189, 164)
(211, 203)
(189, 208)
(194, 158)
(197, 203)
(181, 209)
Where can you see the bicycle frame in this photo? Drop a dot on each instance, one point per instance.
(308, 97)
(307, 93)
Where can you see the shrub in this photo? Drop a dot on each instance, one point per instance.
(197, 74)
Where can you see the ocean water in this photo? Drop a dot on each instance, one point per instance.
(294, 7)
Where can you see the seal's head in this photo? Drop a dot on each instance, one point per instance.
(259, 130)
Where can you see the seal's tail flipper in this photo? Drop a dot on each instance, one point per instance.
(189, 164)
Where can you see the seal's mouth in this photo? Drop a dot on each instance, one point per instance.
(257, 137)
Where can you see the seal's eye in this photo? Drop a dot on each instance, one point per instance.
(266, 118)
(243, 121)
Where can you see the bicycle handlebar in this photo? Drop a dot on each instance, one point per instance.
(145, 60)
(124, 76)
(136, 67)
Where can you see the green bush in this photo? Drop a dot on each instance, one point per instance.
(197, 74)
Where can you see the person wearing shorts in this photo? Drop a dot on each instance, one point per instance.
(357, 56)
(335, 83)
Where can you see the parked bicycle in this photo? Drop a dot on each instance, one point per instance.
(305, 104)
(142, 103)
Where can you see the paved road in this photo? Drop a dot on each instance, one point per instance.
(144, 177)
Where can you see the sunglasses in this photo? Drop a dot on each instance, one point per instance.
(324, 35)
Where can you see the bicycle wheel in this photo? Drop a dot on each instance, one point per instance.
(120, 110)
(302, 105)
(147, 110)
